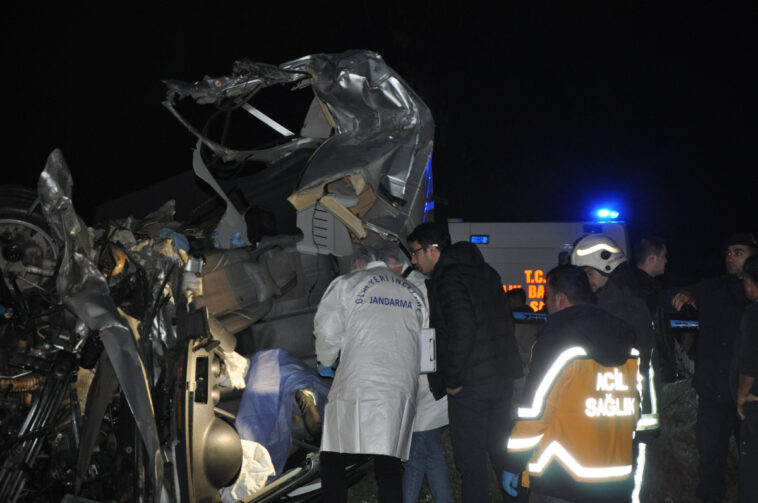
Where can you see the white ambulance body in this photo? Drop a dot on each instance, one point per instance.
(522, 253)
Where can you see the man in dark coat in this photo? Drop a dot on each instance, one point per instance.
(720, 303)
(477, 353)
(651, 258)
(747, 388)
(650, 255)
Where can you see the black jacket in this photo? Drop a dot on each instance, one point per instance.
(747, 348)
(619, 298)
(720, 302)
(648, 289)
(658, 302)
(472, 320)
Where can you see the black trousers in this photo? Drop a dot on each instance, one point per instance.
(479, 427)
(749, 456)
(717, 421)
(388, 471)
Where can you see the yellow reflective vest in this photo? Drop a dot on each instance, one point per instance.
(574, 432)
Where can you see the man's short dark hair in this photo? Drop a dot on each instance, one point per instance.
(429, 234)
(519, 293)
(646, 246)
(572, 281)
(750, 268)
(742, 238)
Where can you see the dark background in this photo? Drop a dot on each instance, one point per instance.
(541, 113)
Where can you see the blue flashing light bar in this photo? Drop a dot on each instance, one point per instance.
(606, 213)
(480, 239)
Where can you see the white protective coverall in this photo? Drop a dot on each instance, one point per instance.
(430, 413)
(371, 319)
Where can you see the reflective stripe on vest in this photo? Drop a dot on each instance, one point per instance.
(566, 357)
(556, 450)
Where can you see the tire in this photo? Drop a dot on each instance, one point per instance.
(28, 252)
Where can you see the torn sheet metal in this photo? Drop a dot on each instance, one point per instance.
(382, 128)
(239, 286)
(160, 258)
(364, 121)
(231, 231)
(85, 292)
(248, 78)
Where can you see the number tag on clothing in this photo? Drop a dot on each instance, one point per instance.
(427, 344)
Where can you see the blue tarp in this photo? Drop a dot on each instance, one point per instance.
(266, 409)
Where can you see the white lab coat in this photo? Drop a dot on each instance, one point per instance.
(430, 413)
(371, 320)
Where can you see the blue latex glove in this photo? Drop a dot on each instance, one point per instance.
(237, 240)
(325, 371)
(510, 483)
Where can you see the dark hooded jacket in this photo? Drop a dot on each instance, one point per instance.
(472, 319)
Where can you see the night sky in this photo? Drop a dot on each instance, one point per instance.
(540, 113)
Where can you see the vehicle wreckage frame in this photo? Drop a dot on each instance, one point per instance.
(137, 323)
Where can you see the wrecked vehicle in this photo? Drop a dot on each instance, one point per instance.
(122, 372)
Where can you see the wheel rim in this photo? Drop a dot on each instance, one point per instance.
(27, 252)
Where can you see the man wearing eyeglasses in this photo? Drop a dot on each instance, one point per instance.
(477, 354)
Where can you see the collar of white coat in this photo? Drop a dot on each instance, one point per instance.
(376, 263)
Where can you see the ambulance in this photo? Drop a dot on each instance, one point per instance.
(523, 253)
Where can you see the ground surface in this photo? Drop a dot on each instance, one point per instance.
(671, 468)
(365, 490)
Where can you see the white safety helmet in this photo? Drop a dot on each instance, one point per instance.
(597, 251)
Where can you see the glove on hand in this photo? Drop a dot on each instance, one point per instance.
(325, 371)
(510, 483)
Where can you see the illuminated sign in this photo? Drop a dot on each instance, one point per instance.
(534, 276)
(610, 405)
(480, 239)
(535, 288)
